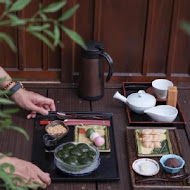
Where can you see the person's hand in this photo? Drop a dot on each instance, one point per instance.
(27, 171)
(33, 102)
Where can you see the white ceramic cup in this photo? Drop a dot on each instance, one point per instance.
(161, 87)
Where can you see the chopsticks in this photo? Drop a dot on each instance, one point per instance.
(170, 179)
(63, 115)
(79, 122)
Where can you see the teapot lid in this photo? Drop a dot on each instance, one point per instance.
(141, 99)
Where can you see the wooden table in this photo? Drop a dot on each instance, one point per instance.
(66, 99)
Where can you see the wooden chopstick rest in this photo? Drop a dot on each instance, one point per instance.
(172, 96)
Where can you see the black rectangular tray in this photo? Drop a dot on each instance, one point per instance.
(144, 119)
(107, 170)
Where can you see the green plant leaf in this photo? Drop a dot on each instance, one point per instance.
(2, 79)
(40, 5)
(54, 7)
(3, 115)
(5, 22)
(3, 92)
(11, 110)
(5, 154)
(6, 123)
(51, 35)
(19, 5)
(5, 101)
(43, 39)
(32, 28)
(68, 13)
(6, 2)
(6, 178)
(57, 34)
(34, 186)
(43, 16)
(19, 180)
(185, 26)
(21, 130)
(6, 165)
(8, 40)
(15, 21)
(74, 36)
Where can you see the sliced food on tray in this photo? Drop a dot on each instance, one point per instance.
(98, 135)
(153, 142)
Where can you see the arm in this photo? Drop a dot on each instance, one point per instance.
(8, 79)
(27, 171)
(27, 99)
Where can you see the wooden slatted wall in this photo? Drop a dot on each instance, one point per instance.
(142, 36)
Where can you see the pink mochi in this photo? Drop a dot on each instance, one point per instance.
(99, 141)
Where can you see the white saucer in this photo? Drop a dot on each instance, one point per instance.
(153, 167)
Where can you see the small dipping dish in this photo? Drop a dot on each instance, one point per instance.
(172, 169)
(50, 143)
(57, 129)
(146, 167)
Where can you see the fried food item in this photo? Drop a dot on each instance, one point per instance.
(148, 144)
(151, 144)
(157, 145)
(150, 138)
(150, 132)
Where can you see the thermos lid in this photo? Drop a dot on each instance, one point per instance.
(94, 48)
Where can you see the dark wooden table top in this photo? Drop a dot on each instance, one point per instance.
(66, 99)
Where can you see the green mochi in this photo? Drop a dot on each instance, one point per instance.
(71, 160)
(89, 132)
(83, 147)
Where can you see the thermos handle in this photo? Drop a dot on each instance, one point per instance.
(110, 62)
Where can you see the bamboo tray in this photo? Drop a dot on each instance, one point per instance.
(144, 119)
(133, 155)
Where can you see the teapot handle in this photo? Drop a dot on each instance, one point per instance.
(110, 62)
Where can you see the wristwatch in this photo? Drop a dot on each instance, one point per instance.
(14, 89)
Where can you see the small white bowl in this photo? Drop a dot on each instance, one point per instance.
(160, 87)
(162, 113)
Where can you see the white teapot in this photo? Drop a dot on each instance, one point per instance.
(137, 102)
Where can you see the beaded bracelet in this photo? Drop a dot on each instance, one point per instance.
(9, 84)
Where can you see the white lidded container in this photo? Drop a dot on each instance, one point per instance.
(137, 102)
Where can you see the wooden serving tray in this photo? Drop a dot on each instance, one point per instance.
(133, 155)
(144, 119)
